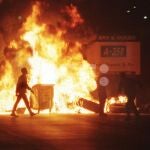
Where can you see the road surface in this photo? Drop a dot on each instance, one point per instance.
(74, 132)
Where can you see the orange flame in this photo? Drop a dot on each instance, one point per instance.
(118, 100)
(7, 88)
(51, 60)
(74, 15)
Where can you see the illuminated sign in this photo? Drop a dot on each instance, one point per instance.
(113, 51)
(119, 56)
(117, 38)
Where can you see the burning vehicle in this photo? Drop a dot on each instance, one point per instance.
(116, 104)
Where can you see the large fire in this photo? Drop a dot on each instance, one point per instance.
(50, 59)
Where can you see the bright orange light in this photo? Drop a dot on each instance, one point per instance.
(51, 60)
(114, 100)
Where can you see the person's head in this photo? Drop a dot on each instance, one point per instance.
(24, 70)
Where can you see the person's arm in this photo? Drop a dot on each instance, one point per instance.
(27, 86)
(17, 90)
(17, 87)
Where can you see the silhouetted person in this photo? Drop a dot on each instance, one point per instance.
(102, 94)
(21, 89)
(129, 86)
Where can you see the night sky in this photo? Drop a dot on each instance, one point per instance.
(103, 16)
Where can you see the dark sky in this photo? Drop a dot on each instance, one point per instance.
(103, 16)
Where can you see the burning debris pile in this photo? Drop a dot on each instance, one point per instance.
(45, 46)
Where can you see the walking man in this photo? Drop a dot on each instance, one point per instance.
(129, 87)
(21, 89)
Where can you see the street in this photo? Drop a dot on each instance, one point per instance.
(74, 131)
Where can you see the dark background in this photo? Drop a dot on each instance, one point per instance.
(111, 17)
(103, 16)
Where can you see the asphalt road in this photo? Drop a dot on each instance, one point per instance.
(74, 132)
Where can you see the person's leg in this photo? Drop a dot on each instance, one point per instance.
(15, 105)
(133, 107)
(101, 108)
(27, 104)
(127, 107)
